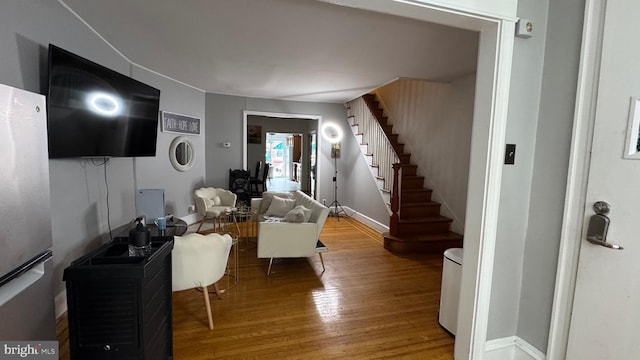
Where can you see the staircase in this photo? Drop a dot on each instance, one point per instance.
(416, 224)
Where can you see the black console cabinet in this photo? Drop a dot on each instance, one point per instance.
(119, 307)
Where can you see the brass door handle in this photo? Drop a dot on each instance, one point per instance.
(596, 240)
(599, 226)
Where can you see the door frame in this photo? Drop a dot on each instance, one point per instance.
(313, 181)
(247, 113)
(496, 41)
(574, 208)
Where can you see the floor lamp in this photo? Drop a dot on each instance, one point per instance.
(332, 133)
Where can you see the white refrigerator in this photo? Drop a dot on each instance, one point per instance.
(26, 282)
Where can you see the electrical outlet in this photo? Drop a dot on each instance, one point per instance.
(191, 208)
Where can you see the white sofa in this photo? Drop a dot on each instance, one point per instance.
(280, 235)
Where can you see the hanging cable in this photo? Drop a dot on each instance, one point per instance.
(106, 184)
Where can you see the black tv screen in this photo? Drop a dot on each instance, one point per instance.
(94, 111)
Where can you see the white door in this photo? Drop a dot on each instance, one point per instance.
(605, 321)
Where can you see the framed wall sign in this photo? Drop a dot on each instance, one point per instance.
(179, 123)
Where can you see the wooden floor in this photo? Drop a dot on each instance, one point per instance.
(368, 304)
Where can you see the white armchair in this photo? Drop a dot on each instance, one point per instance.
(199, 261)
(212, 204)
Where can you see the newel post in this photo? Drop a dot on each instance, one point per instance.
(395, 201)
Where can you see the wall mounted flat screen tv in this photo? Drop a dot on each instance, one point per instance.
(94, 111)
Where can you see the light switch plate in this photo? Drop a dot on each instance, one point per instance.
(510, 154)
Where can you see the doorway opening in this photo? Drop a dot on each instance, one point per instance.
(283, 151)
(485, 173)
(288, 142)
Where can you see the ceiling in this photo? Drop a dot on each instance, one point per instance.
(303, 50)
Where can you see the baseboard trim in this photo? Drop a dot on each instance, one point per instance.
(61, 303)
(511, 348)
(375, 225)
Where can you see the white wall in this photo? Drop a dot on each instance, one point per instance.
(526, 83)
(355, 185)
(357, 189)
(541, 104)
(225, 123)
(157, 172)
(552, 148)
(434, 122)
(78, 188)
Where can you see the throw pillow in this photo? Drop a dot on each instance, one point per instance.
(216, 200)
(280, 207)
(298, 214)
(295, 215)
(307, 213)
(268, 196)
(209, 203)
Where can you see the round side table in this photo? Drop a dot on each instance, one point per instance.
(232, 271)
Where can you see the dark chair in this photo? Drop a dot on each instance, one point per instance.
(260, 182)
(256, 174)
(255, 178)
(239, 184)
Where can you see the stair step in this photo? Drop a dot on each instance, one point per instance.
(405, 158)
(423, 226)
(433, 243)
(412, 182)
(369, 160)
(419, 210)
(409, 170)
(373, 104)
(409, 196)
(438, 219)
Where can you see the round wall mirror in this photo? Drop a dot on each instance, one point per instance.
(181, 154)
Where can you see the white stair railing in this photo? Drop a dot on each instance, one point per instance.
(378, 145)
